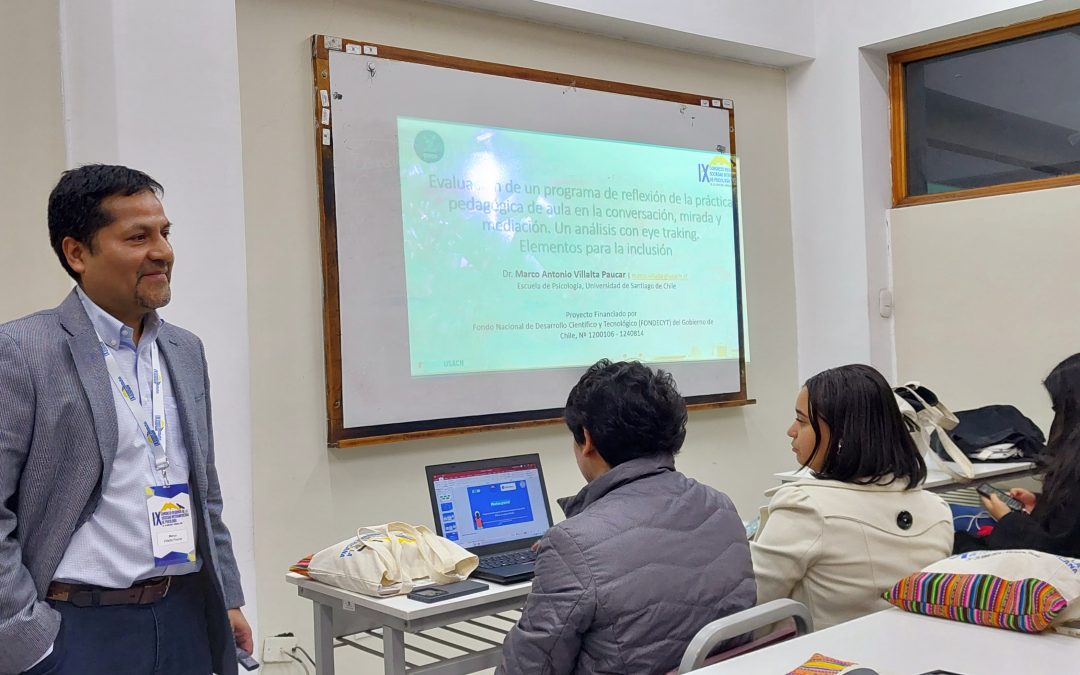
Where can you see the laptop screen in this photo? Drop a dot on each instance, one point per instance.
(480, 506)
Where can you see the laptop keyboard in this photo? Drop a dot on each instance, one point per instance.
(506, 559)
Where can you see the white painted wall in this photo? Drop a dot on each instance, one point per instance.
(986, 291)
(154, 85)
(775, 32)
(891, 25)
(984, 287)
(838, 129)
(308, 497)
(158, 86)
(31, 156)
(840, 163)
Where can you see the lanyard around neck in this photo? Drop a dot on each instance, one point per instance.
(153, 432)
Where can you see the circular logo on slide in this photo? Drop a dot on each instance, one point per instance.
(429, 146)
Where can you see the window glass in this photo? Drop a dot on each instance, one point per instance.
(1001, 113)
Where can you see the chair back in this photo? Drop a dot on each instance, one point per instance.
(793, 617)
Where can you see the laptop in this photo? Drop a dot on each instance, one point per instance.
(495, 508)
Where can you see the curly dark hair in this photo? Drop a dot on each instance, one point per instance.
(75, 203)
(629, 410)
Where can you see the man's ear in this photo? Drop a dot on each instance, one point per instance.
(75, 252)
(587, 448)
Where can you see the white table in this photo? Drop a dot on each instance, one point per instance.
(940, 481)
(340, 613)
(898, 643)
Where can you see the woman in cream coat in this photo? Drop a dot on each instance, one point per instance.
(838, 539)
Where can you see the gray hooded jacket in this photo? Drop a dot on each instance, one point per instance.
(645, 558)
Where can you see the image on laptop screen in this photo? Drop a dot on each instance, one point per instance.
(491, 505)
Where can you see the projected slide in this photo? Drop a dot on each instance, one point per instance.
(488, 237)
(500, 504)
(527, 250)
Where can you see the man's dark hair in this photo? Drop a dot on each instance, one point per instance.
(868, 440)
(629, 410)
(75, 203)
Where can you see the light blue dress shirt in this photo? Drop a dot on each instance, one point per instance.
(113, 548)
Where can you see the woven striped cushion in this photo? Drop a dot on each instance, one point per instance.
(1021, 590)
(1028, 605)
(821, 664)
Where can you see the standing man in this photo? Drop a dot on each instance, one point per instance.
(113, 554)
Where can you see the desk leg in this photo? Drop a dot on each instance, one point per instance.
(393, 651)
(324, 639)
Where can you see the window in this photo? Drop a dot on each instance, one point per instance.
(990, 113)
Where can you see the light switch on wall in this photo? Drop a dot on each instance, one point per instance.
(885, 303)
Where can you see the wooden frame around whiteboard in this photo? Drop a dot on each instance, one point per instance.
(337, 434)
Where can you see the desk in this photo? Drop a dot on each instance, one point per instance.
(899, 643)
(340, 613)
(939, 481)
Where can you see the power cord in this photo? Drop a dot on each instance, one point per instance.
(296, 658)
(299, 648)
(305, 653)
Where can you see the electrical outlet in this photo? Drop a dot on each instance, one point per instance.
(277, 649)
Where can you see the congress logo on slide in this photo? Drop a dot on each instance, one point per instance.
(429, 146)
(716, 172)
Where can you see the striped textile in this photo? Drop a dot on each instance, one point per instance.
(301, 565)
(819, 663)
(1025, 605)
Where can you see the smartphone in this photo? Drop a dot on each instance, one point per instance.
(440, 592)
(986, 489)
(246, 660)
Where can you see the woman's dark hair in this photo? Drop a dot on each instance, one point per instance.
(1061, 485)
(629, 410)
(75, 203)
(868, 440)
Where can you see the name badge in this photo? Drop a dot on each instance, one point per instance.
(171, 528)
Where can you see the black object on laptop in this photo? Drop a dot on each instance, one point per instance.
(495, 508)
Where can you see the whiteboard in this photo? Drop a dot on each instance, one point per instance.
(378, 388)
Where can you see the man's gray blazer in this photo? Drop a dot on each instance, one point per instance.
(58, 438)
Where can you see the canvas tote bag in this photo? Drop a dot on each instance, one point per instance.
(926, 415)
(389, 559)
(440, 559)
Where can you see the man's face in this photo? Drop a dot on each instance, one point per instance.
(127, 270)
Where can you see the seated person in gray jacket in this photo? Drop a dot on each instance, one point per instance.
(646, 556)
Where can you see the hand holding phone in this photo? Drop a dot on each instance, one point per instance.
(1025, 497)
(985, 489)
(246, 660)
